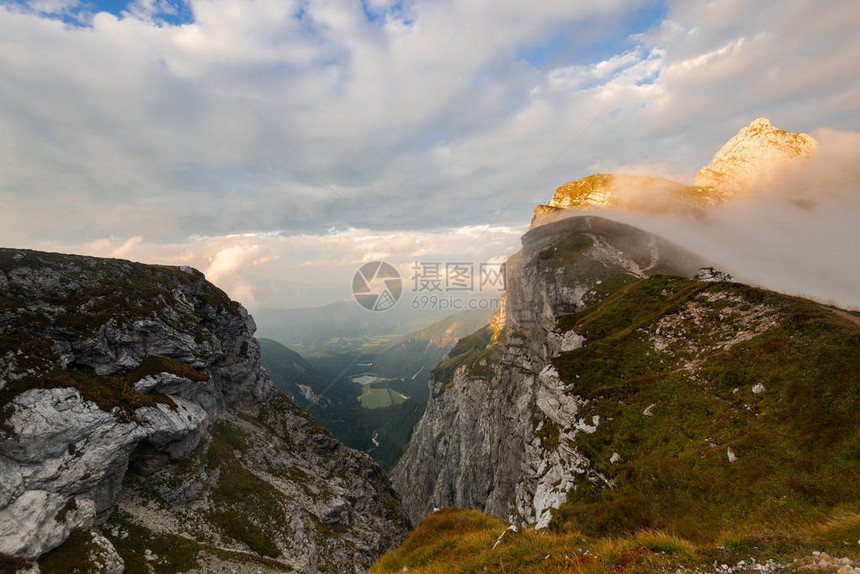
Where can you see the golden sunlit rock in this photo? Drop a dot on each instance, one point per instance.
(752, 158)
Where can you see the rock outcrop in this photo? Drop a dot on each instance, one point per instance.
(112, 371)
(631, 387)
(752, 158)
(711, 274)
(490, 437)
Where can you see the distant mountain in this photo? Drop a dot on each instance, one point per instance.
(446, 332)
(413, 356)
(310, 328)
(748, 160)
(292, 375)
(752, 157)
(301, 294)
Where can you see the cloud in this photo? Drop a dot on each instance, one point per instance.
(227, 269)
(303, 270)
(798, 234)
(52, 7)
(422, 115)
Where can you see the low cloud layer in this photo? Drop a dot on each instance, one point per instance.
(798, 235)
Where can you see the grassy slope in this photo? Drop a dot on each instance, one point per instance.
(797, 443)
(678, 503)
(458, 541)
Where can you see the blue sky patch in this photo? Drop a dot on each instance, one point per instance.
(80, 13)
(587, 41)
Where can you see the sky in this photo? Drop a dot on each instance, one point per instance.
(276, 145)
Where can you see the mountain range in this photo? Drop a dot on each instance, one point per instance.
(748, 161)
(628, 408)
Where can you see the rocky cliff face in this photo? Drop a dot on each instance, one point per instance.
(490, 436)
(632, 192)
(622, 393)
(752, 158)
(140, 387)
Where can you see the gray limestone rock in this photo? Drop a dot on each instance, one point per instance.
(113, 377)
(497, 432)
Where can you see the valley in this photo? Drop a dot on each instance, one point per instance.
(429, 287)
(628, 408)
(368, 391)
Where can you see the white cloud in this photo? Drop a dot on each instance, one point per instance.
(53, 7)
(427, 117)
(797, 235)
(259, 269)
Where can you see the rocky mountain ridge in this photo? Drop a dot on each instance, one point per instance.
(133, 394)
(475, 446)
(749, 160)
(631, 191)
(752, 158)
(623, 394)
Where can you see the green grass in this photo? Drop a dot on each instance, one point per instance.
(69, 506)
(372, 398)
(569, 245)
(246, 509)
(474, 352)
(631, 306)
(11, 564)
(461, 541)
(454, 541)
(175, 553)
(72, 557)
(797, 442)
(153, 365)
(467, 351)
